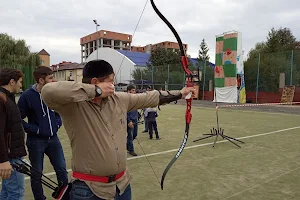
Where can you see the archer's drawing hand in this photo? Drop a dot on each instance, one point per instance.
(107, 88)
(5, 170)
(187, 92)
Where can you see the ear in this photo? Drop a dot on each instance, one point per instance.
(94, 81)
(12, 82)
(41, 81)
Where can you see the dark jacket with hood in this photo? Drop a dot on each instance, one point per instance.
(12, 134)
(42, 121)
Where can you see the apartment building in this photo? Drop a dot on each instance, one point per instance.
(173, 46)
(104, 38)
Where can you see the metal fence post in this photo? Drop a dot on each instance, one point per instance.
(168, 75)
(257, 78)
(204, 73)
(292, 62)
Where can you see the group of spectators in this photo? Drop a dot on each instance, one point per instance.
(133, 118)
(41, 126)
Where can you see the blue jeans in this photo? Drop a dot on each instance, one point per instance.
(37, 147)
(14, 187)
(130, 146)
(81, 191)
(135, 129)
(131, 135)
(146, 124)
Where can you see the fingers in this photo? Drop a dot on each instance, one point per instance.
(5, 174)
(107, 89)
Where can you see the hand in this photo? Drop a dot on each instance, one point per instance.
(130, 124)
(107, 88)
(5, 170)
(187, 92)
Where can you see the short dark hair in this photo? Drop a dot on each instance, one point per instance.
(6, 74)
(99, 69)
(130, 87)
(88, 80)
(41, 72)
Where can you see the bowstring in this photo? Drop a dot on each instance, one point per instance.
(124, 55)
(148, 160)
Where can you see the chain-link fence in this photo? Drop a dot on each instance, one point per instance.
(267, 72)
(172, 77)
(265, 75)
(166, 77)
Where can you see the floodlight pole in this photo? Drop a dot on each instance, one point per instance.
(95, 21)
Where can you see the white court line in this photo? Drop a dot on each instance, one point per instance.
(190, 147)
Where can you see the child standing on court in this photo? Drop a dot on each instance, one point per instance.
(150, 115)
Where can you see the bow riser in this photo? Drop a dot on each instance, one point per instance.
(188, 114)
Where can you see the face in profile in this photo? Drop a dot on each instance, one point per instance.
(17, 86)
(48, 79)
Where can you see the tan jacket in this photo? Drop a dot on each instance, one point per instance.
(97, 132)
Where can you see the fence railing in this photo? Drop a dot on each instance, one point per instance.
(263, 72)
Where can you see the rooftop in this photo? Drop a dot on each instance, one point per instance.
(67, 66)
(141, 59)
(43, 52)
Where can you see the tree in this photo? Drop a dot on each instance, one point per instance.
(15, 53)
(140, 74)
(273, 57)
(203, 52)
(161, 62)
(280, 40)
(161, 56)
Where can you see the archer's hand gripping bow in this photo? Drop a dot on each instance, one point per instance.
(189, 75)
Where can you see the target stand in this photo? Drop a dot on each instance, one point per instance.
(219, 132)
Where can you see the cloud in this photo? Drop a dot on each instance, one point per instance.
(57, 25)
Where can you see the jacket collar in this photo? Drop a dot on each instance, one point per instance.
(8, 93)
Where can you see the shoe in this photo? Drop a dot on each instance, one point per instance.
(158, 138)
(144, 131)
(150, 138)
(132, 153)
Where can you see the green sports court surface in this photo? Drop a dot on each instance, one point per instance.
(267, 167)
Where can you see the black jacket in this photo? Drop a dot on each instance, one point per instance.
(12, 134)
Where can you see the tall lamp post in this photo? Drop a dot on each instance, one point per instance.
(95, 21)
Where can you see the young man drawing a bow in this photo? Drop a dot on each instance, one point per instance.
(95, 121)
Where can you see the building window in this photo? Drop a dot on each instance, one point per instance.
(42, 62)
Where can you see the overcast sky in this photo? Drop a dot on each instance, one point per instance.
(57, 25)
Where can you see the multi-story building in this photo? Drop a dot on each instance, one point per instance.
(174, 46)
(104, 38)
(44, 57)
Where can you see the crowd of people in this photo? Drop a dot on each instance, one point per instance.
(96, 120)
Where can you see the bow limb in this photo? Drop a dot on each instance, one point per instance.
(188, 115)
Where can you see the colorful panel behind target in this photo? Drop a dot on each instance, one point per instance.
(229, 70)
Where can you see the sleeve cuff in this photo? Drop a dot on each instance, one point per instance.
(90, 90)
